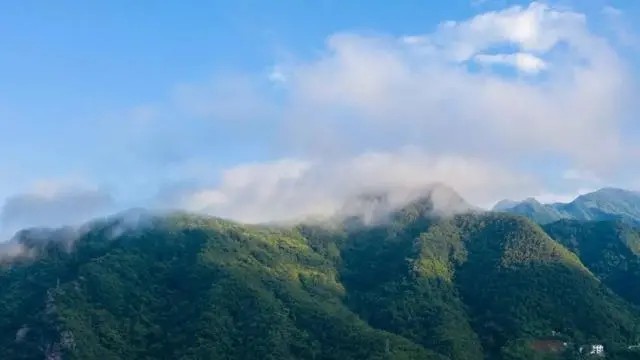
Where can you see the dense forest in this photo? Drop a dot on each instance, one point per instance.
(416, 285)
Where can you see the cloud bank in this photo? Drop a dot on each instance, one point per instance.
(286, 189)
(469, 104)
(464, 105)
(51, 204)
(522, 80)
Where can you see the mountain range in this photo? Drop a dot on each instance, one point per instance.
(604, 204)
(434, 278)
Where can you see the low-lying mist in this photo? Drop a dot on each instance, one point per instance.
(370, 208)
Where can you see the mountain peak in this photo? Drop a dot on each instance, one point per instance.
(436, 199)
(604, 204)
(446, 201)
(505, 204)
(532, 201)
(609, 194)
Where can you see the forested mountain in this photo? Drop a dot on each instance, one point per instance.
(611, 250)
(604, 204)
(417, 285)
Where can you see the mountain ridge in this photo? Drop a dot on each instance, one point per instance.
(605, 204)
(422, 284)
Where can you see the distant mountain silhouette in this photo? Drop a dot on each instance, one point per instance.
(604, 204)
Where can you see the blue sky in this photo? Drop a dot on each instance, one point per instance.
(271, 110)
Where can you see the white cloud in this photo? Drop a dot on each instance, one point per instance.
(537, 28)
(289, 189)
(52, 203)
(422, 89)
(384, 113)
(524, 62)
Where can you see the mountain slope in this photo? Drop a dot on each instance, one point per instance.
(416, 286)
(187, 288)
(534, 210)
(611, 250)
(398, 277)
(519, 283)
(474, 285)
(604, 204)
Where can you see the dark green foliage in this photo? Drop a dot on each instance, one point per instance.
(189, 288)
(520, 283)
(611, 250)
(473, 286)
(399, 278)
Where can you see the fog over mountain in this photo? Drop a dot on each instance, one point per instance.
(433, 278)
(502, 100)
(369, 209)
